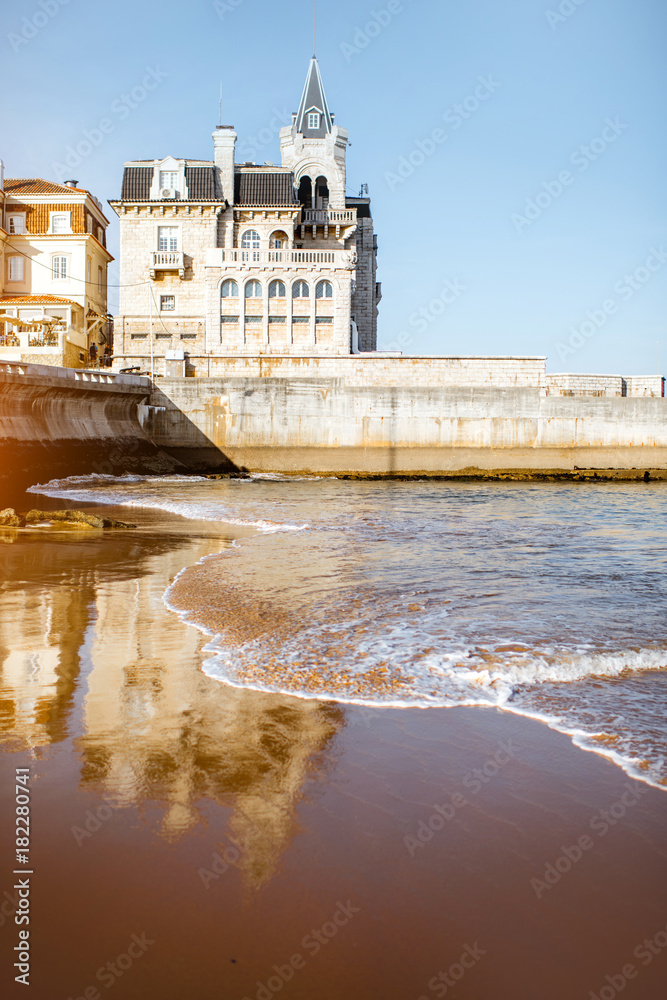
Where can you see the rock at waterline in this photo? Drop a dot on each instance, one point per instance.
(9, 518)
(80, 518)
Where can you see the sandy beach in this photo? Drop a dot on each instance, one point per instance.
(193, 839)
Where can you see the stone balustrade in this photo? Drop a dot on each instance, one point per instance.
(307, 259)
(167, 260)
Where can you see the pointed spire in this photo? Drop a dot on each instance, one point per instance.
(314, 102)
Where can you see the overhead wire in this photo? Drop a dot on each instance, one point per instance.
(71, 277)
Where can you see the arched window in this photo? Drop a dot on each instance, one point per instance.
(306, 192)
(250, 242)
(300, 290)
(278, 240)
(277, 290)
(229, 290)
(324, 290)
(253, 290)
(321, 193)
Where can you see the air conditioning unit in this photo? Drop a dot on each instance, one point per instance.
(174, 364)
(168, 193)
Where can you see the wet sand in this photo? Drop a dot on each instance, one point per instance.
(261, 845)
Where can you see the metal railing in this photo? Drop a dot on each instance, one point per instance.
(49, 338)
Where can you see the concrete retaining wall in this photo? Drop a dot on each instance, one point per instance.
(326, 426)
(60, 422)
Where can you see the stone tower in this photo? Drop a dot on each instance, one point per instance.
(314, 148)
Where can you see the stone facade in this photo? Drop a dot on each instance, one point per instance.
(220, 259)
(383, 371)
(373, 370)
(605, 385)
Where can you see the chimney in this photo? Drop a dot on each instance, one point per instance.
(224, 145)
(71, 184)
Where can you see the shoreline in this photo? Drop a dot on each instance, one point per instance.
(159, 516)
(151, 517)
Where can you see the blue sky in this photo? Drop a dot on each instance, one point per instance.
(515, 152)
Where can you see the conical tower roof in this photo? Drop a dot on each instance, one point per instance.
(314, 102)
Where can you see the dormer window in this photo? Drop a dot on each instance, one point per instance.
(168, 179)
(16, 224)
(313, 120)
(60, 222)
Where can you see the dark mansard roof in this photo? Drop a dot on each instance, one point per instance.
(263, 188)
(137, 183)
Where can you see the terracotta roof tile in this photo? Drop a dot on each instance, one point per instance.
(35, 300)
(37, 186)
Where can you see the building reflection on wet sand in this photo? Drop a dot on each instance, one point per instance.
(89, 651)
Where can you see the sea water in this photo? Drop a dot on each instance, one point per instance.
(547, 600)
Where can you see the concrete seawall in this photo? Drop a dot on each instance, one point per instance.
(62, 422)
(327, 426)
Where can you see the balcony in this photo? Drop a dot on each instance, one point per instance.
(283, 259)
(168, 260)
(329, 217)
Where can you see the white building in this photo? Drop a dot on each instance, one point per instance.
(53, 273)
(247, 259)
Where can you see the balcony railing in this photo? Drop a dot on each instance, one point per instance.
(49, 338)
(329, 216)
(168, 260)
(346, 259)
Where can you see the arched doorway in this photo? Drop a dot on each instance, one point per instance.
(306, 192)
(321, 193)
(278, 240)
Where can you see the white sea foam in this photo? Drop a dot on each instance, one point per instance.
(151, 492)
(508, 616)
(517, 691)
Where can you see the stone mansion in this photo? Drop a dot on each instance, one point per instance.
(220, 259)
